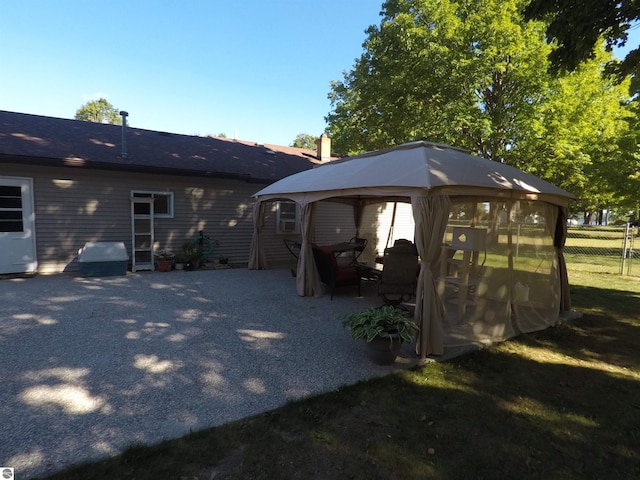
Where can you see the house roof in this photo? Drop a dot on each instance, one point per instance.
(37, 140)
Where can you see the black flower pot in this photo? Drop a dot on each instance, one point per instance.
(384, 350)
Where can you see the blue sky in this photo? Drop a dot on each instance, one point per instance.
(261, 68)
(258, 68)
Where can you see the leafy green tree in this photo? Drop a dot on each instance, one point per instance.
(578, 25)
(625, 173)
(458, 72)
(304, 140)
(99, 111)
(581, 121)
(474, 74)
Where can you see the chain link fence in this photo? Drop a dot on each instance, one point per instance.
(607, 249)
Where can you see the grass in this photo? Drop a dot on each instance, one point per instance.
(563, 403)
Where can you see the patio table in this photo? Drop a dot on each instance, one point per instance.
(370, 270)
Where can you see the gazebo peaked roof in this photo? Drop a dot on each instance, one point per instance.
(433, 177)
(408, 170)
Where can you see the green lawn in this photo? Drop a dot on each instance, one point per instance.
(563, 404)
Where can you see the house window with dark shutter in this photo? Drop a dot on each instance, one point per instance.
(11, 209)
(162, 202)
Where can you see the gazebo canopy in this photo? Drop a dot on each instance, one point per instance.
(408, 170)
(434, 177)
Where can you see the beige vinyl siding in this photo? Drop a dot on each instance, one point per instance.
(404, 226)
(376, 227)
(334, 223)
(72, 209)
(222, 209)
(77, 206)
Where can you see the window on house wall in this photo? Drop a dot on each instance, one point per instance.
(162, 202)
(10, 209)
(288, 217)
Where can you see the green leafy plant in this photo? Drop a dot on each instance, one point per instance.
(381, 322)
(165, 255)
(192, 253)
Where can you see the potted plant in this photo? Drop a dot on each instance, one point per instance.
(164, 260)
(192, 255)
(384, 329)
(179, 262)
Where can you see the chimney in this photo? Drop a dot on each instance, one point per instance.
(124, 116)
(324, 148)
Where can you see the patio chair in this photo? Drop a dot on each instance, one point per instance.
(398, 281)
(352, 251)
(359, 245)
(294, 249)
(404, 241)
(332, 275)
(293, 246)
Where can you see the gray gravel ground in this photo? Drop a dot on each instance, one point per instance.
(90, 366)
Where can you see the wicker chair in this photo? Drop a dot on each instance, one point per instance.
(398, 281)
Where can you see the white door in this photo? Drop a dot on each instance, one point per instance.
(17, 226)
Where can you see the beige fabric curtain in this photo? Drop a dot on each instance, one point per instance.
(257, 257)
(430, 215)
(307, 278)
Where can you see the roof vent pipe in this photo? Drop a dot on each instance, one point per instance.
(124, 116)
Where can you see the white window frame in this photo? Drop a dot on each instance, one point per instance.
(153, 194)
(281, 229)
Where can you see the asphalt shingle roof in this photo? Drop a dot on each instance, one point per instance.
(38, 140)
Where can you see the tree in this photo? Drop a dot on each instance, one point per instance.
(578, 26)
(461, 72)
(99, 111)
(304, 140)
(626, 171)
(580, 123)
(474, 74)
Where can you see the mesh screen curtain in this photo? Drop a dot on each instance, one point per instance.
(508, 282)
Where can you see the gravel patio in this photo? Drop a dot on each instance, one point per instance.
(90, 366)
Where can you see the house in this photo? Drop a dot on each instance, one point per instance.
(66, 182)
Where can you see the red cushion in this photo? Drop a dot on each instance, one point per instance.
(332, 257)
(346, 274)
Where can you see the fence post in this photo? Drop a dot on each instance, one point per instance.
(624, 248)
(631, 253)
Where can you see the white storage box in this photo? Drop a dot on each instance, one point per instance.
(103, 259)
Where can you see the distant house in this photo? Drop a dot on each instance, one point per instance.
(67, 182)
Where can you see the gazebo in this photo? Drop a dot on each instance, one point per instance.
(490, 237)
